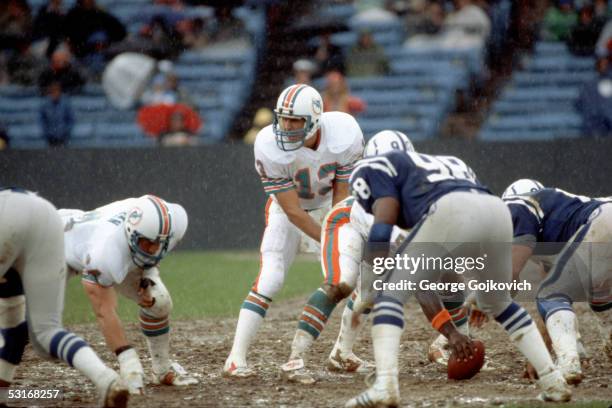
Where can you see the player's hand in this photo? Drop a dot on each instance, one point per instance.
(134, 381)
(461, 346)
(478, 318)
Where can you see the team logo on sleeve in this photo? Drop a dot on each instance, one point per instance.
(316, 105)
(135, 216)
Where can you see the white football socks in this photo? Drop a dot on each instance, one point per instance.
(348, 334)
(529, 342)
(246, 329)
(159, 349)
(87, 362)
(302, 341)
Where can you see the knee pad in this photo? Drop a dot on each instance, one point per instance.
(337, 292)
(547, 307)
(163, 302)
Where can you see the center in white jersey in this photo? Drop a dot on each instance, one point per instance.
(311, 172)
(96, 240)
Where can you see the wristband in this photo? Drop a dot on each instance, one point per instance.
(440, 319)
(380, 233)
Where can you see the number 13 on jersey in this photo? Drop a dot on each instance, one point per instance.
(304, 182)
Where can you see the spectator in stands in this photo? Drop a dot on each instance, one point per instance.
(86, 20)
(164, 41)
(62, 71)
(5, 140)
(366, 58)
(602, 10)
(468, 26)
(15, 24)
(263, 117)
(177, 134)
(25, 66)
(327, 56)
(49, 24)
(337, 97)
(228, 28)
(56, 117)
(595, 100)
(559, 20)
(157, 39)
(584, 34)
(427, 21)
(195, 33)
(303, 69)
(375, 11)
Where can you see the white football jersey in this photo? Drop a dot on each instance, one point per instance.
(96, 241)
(311, 172)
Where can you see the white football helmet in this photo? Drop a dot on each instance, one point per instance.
(522, 186)
(302, 102)
(152, 220)
(385, 141)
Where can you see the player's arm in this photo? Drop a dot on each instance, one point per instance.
(520, 255)
(290, 203)
(104, 302)
(441, 320)
(526, 222)
(340, 192)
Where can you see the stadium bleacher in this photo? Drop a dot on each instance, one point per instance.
(538, 103)
(218, 81)
(420, 90)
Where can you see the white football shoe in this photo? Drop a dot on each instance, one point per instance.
(175, 375)
(350, 363)
(232, 369)
(116, 394)
(382, 394)
(296, 372)
(554, 388)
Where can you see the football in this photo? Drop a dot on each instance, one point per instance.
(464, 370)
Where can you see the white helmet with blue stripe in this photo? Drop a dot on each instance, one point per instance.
(149, 226)
(522, 186)
(386, 141)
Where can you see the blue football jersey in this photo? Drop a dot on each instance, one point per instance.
(416, 180)
(550, 214)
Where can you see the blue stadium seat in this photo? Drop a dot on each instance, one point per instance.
(10, 105)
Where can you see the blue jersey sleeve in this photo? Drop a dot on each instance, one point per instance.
(526, 224)
(373, 179)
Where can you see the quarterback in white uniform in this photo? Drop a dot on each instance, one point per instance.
(345, 230)
(304, 160)
(32, 284)
(118, 246)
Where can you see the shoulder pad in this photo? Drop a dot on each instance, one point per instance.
(265, 145)
(341, 131)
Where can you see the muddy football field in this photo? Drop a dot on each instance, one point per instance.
(202, 345)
